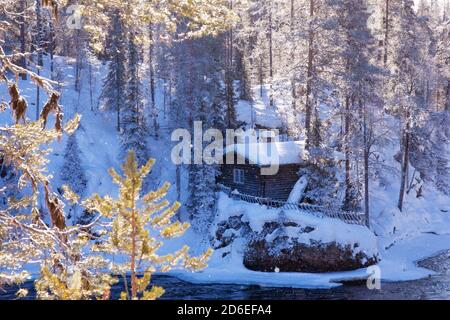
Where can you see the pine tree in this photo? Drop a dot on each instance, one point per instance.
(408, 99)
(201, 95)
(356, 80)
(202, 177)
(139, 223)
(72, 171)
(114, 85)
(133, 136)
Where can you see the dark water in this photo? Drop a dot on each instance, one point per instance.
(436, 287)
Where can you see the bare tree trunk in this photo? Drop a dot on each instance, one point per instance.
(229, 76)
(170, 90)
(270, 56)
(118, 104)
(178, 182)
(23, 61)
(152, 83)
(40, 61)
(386, 33)
(348, 186)
(52, 48)
(261, 76)
(366, 167)
(133, 249)
(164, 97)
(78, 63)
(293, 84)
(38, 97)
(447, 96)
(118, 117)
(405, 166)
(310, 73)
(91, 89)
(78, 74)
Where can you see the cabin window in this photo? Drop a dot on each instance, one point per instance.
(239, 176)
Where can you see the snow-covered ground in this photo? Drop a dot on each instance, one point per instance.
(422, 230)
(398, 254)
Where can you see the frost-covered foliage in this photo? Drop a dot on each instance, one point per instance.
(137, 229)
(203, 17)
(24, 235)
(33, 226)
(202, 198)
(429, 152)
(202, 177)
(324, 185)
(368, 80)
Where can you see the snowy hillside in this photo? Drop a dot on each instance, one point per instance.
(401, 238)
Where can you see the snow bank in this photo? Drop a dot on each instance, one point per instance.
(297, 192)
(326, 230)
(259, 113)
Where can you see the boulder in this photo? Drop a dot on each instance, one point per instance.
(293, 246)
(273, 250)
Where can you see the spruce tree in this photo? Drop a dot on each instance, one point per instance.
(133, 136)
(114, 85)
(201, 94)
(72, 172)
(202, 177)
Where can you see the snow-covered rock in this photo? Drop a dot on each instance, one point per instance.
(292, 241)
(282, 247)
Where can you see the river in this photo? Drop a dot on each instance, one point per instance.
(434, 287)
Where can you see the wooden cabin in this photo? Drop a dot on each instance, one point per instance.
(245, 174)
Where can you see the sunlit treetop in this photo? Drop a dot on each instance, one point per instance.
(199, 17)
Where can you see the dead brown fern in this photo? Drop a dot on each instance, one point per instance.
(53, 5)
(18, 104)
(56, 208)
(52, 106)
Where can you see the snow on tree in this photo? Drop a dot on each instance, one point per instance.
(68, 268)
(8, 183)
(136, 222)
(204, 17)
(133, 135)
(72, 172)
(410, 61)
(200, 95)
(114, 85)
(298, 190)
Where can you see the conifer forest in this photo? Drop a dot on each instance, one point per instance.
(224, 149)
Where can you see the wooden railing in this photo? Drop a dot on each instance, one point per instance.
(348, 217)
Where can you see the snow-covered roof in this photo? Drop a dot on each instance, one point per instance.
(274, 153)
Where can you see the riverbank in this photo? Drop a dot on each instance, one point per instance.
(401, 261)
